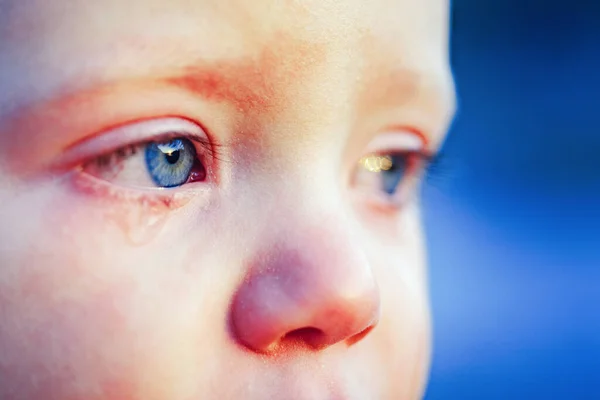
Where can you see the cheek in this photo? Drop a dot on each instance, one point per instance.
(58, 321)
(403, 335)
(395, 355)
(406, 345)
(84, 310)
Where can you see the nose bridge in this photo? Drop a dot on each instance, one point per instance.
(303, 188)
(311, 284)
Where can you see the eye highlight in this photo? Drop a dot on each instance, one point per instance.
(391, 168)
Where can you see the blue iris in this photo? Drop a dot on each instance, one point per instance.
(170, 163)
(392, 177)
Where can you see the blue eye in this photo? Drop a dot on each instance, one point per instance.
(389, 177)
(171, 163)
(393, 172)
(390, 171)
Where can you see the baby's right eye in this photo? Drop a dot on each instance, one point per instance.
(170, 161)
(163, 164)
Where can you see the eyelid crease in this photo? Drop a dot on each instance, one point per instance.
(137, 134)
(401, 140)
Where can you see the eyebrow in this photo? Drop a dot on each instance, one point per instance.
(244, 85)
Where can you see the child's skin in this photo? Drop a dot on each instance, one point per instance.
(284, 271)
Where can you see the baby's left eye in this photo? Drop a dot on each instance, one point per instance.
(389, 171)
(385, 176)
(166, 164)
(386, 171)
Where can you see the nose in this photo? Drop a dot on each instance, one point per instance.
(317, 292)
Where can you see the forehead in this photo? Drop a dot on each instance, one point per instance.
(280, 44)
(250, 17)
(217, 29)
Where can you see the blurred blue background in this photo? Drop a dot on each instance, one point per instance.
(513, 214)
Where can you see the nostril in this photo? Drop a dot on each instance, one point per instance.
(310, 336)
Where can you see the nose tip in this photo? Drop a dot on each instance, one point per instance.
(297, 302)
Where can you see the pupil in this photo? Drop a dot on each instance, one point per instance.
(172, 157)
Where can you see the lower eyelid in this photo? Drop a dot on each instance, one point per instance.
(99, 189)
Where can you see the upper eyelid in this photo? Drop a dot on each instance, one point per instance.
(134, 133)
(404, 140)
(412, 142)
(398, 140)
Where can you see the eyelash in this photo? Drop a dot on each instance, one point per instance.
(435, 168)
(422, 157)
(158, 159)
(207, 148)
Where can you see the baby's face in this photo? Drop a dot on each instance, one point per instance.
(216, 200)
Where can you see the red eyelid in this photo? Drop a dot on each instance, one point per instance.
(398, 139)
(128, 135)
